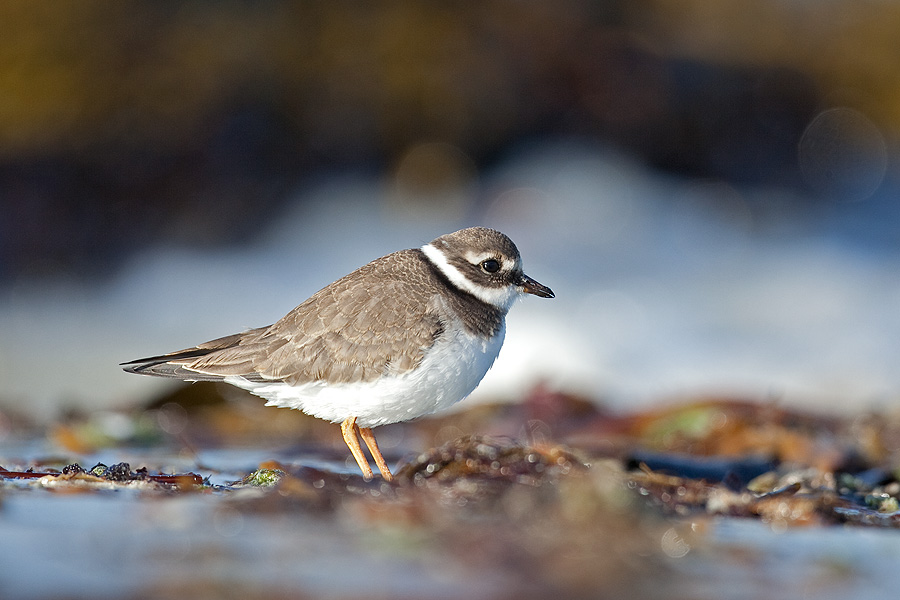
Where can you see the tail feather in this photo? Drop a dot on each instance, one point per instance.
(177, 364)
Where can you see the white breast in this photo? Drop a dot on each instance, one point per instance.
(451, 369)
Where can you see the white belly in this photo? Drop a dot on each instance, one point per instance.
(448, 373)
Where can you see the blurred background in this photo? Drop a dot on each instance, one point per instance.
(710, 188)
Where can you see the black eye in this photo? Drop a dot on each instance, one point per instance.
(490, 265)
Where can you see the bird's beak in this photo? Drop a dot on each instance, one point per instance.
(530, 286)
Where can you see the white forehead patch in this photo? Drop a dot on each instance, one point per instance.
(502, 297)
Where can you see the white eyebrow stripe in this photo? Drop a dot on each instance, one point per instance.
(502, 297)
(477, 259)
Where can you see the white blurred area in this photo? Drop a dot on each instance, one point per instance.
(665, 287)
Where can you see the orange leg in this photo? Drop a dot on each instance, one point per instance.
(349, 430)
(369, 438)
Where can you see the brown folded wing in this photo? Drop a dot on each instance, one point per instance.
(378, 320)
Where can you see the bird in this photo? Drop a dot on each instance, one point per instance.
(408, 334)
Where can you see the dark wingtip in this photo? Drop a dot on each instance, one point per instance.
(144, 363)
(139, 366)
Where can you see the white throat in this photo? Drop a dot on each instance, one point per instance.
(502, 298)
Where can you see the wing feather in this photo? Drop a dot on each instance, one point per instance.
(378, 320)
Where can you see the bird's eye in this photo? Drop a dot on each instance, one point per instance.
(491, 265)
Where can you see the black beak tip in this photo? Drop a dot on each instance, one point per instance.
(533, 287)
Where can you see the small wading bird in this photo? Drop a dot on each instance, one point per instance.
(406, 335)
